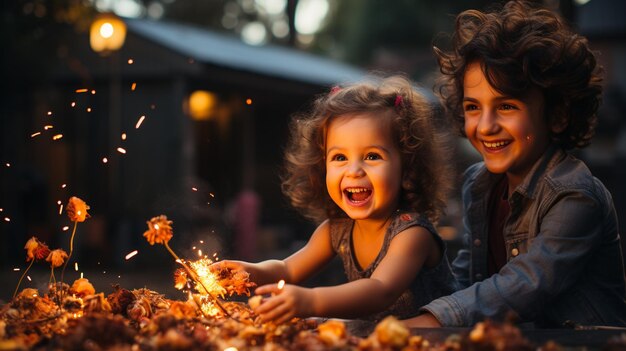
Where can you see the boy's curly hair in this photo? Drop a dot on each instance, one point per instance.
(426, 173)
(521, 47)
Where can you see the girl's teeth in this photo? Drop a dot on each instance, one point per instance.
(356, 190)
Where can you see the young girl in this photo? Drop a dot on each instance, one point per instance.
(541, 235)
(369, 165)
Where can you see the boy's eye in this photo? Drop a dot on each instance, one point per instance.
(338, 157)
(372, 156)
(470, 107)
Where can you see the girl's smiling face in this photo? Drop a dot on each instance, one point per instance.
(510, 133)
(363, 166)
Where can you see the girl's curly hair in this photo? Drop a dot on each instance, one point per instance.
(426, 173)
(521, 47)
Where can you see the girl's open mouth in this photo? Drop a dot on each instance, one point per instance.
(358, 195)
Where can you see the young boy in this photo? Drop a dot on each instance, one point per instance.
(541, 233)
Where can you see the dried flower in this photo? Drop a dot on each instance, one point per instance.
(82, 287)
(180, 278)
(30, 247)
(159, 230)
(77, 210)
(57, 257)
(35, 251)
(41, 252)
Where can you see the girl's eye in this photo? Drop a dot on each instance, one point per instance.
(338, 157)
(508, 107)
(372, 156)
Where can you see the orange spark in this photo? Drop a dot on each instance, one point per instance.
(248, 101)
(281, 284)
(7, 219)
(66, 228)
(46, 127)
(57, 137)
(140, 121)
(88, 109)
(76, 266)
(93, 92)
(49, 113)
(63, 186)
(35, 134)
(121, 150)
(194, 189)
(84, 90)
(131, 61)
(105, 160)
(133, 86)
(131, 254)
(123, 136)
(73, 104)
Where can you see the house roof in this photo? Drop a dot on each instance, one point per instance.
(212, 48)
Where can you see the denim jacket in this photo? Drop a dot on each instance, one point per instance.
(564, 259)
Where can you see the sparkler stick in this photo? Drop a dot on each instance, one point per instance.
(195, 277)
(160, 232)
(22, 277)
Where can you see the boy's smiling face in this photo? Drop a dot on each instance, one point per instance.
(363, 166)
(510, 133)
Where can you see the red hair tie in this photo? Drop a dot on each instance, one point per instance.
(399, 101)
(334, 89)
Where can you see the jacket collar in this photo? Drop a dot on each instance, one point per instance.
(553, 154)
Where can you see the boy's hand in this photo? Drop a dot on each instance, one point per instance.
(284, 304)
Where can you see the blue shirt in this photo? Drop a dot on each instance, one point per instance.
(564, 259)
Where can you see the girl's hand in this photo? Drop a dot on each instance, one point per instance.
(284, 304)
(229, 265)
(425, 320)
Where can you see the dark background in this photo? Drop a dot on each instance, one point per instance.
(216, 178)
